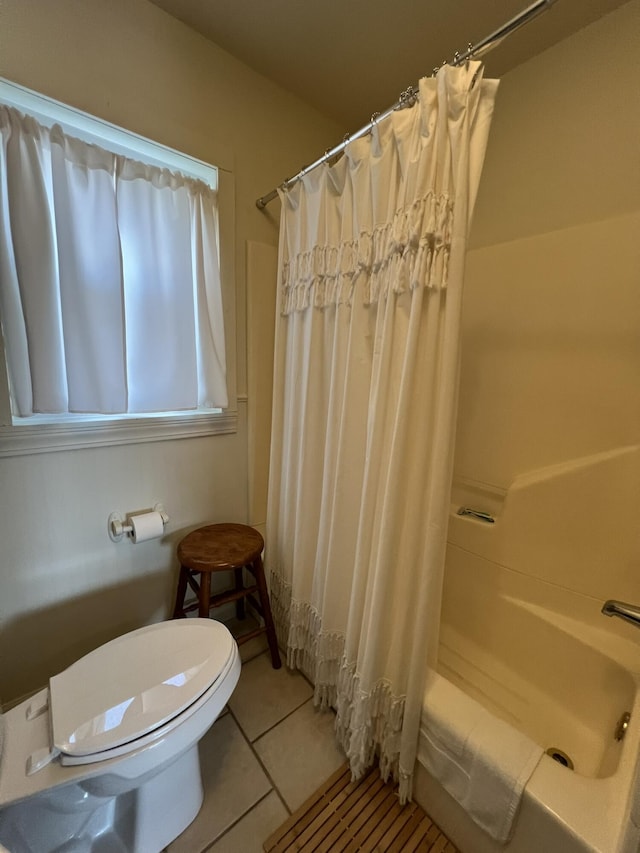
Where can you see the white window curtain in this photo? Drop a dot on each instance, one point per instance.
(110, 293)
(370, 286)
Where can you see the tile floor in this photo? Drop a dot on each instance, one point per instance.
(261, 759)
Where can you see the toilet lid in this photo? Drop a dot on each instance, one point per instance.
(136, 683)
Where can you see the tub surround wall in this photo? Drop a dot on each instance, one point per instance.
(551, 352)
(65, 587)
(572, 525)
(549, 412)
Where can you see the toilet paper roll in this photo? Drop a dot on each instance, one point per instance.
(147, 525)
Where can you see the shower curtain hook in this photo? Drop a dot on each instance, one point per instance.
(407, 98)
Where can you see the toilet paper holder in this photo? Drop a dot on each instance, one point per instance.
(118, 526)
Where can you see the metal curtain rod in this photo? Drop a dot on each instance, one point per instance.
(408, 97)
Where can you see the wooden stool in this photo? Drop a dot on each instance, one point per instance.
(220, 548)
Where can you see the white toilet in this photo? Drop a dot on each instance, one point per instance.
(106, 758)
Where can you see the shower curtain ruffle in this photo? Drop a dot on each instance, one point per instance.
(410, 251)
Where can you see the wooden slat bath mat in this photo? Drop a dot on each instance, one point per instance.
(345, 817)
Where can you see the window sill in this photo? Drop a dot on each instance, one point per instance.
(51, 437)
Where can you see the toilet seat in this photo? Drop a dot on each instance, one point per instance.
(136, 688)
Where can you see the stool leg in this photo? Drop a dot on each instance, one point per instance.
(258, 571)
(204, 599)
(178, 612)
(240, 609)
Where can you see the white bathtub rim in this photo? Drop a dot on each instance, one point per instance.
(595, 811)
(536, 827)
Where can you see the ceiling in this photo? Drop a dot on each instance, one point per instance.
(349, 58)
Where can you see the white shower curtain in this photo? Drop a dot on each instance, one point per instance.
(370, 285)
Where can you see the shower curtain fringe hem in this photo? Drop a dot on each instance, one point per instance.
(368, 722)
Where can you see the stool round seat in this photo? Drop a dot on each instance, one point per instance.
(222, 548)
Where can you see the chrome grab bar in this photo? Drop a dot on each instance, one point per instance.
(628, 612)
(476, 513)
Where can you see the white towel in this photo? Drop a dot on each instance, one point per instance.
(481, 761)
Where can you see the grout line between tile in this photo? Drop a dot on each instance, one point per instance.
(260, 762)
(288, 714)
(237, 821)
(250, 743)
(281, 720)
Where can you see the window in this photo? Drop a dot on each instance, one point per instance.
(110, 289)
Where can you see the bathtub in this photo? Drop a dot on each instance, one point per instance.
(565, 681)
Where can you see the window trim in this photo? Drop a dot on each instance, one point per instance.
(23, 439)
(105, 134)
(46, 438)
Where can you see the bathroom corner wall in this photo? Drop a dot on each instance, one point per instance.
(551, 327)
(64, 586)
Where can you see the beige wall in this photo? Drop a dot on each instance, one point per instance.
(551, 334)
(64, 586)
